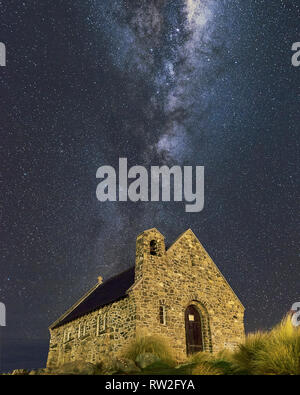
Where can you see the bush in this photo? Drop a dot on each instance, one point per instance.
(200, 358)
(204, 369)
(204, 363)
(275, 352)
(281, 354)
(150, 344)
(244, 357)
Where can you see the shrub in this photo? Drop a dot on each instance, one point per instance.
(204, 369)
(275, 352)
(150, 344)
(244, 357)
(200, 358)
(281, 354)
(206, 363)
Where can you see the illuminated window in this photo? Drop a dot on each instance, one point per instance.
(81, 330)
(101, 324)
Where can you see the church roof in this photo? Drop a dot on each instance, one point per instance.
(110, 291)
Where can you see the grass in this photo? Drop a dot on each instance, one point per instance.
(244, 358)
(150, 344)
(274, 352)
(204, 363)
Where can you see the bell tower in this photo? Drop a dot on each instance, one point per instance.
(150, 247)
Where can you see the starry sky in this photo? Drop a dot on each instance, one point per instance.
(183, 82)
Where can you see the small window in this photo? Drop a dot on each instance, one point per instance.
(81, 330)
(101, 324)
(67, 335)
(153, 247)
(162, 315)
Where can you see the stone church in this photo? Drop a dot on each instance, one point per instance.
(177, 293)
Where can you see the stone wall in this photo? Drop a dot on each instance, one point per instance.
(92, 337)
(184, 275)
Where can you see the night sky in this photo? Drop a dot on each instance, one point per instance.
(182, 82)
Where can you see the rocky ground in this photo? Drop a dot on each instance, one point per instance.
(145, 363)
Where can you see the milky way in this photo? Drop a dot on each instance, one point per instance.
(206, 83)
(177, 47)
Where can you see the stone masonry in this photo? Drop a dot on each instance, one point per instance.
(165, 284)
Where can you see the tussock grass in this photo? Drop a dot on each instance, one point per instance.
(276, 352)
(204, 369)
(150, 344)
(200, 358)
(204, 363)
(243, 359)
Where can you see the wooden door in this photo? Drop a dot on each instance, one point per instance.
(193, 330)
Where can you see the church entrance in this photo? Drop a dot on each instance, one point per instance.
(193, 330)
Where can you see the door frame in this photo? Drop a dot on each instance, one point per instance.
(202, 344)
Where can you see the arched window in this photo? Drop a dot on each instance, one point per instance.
(101, 324)
(153, 247)
(67, 335)
(162, 315)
